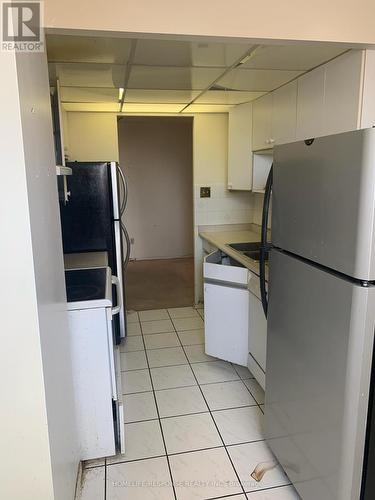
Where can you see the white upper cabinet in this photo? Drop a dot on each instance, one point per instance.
(274, 117)
(343, 93)
(284, 110)
(262, 122)
(368, 107)
(239, 147)
(310, 104)
(330, 97)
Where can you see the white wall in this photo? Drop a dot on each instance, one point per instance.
(156, 156)
(91, 137)
(37, 414)
(210, 159)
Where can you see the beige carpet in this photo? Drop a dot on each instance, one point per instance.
(158, 284)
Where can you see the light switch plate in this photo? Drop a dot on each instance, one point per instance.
(205, 192)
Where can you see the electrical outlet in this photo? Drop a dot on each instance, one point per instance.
(205, 192)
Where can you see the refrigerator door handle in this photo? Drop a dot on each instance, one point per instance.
(124, 184)
(116, 282)
(127, 240)
(265, 246)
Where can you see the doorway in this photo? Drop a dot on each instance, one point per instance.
(156, 157)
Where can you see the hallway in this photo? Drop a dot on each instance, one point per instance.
(159, 284)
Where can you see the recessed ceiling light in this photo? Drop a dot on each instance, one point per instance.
(120, 94)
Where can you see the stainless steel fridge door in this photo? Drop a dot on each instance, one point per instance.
(319, 354)
(323, 202)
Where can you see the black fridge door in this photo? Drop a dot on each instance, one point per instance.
(87, 219)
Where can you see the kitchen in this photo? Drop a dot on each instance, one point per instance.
(306, 106)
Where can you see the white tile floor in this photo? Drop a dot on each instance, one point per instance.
(193, 423)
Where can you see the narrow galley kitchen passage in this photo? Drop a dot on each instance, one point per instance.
(193, 424)
(156, 158)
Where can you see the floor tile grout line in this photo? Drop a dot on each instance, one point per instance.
(255, 399)
(189, 414)
(135, 460)
(217, 428)
(160, 425)
(183, 386)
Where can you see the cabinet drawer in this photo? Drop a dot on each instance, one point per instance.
(218, 266)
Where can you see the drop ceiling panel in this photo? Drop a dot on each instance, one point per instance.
(161, 96)
(292, 57)
(89, 75)
(80, 94)
(256, 80)
(92, 106)
(158, 77)
(227, 97)
(132, 107)
(187, 54)
(207, 108)
(88, 49)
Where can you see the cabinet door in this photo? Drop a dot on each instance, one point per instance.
(310, 104)
(368, 104)
(262, 122)
(342, 93)
(257, 339)
(226, 331)
(284, 114)
(239, 147)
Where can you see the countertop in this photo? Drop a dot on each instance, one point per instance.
(222, 239)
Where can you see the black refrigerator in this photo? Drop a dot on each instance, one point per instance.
(91, 220)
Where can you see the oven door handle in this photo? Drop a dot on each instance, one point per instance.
(116, 282)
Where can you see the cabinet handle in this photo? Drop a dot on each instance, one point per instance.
(272, 141)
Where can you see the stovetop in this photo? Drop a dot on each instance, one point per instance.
(86, 284)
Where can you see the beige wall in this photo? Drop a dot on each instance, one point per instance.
(156, 156)
(210, 159)
(91, 136)
(336, 20)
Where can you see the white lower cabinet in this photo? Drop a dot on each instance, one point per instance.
(235, 325)
(226, 305)
(97, 383)
(257, 339)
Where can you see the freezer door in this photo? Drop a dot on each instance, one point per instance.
(86, 219)
(323, 201)
(319, 353)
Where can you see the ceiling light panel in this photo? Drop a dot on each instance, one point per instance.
(161, 96)
(227, 97)
(92, 106)
(292, 57)
(80, 94)
(188, 54)
(88, 75)
(65, 48)
(207, 108)
(255, 80)
(171, 78)
(132, 107)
